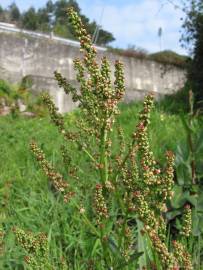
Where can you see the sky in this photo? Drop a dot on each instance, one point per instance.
(132, 22)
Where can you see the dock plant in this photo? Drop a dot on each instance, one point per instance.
(123, 214)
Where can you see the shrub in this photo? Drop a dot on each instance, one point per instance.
(163, 57)
(177, 102)
(170, 58)
(138, 53)
(8, 91)
(10, 95)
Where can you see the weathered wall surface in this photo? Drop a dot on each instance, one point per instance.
(22, 55)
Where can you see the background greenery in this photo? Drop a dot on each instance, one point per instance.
(27, 200)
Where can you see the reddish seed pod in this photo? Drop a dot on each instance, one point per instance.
(98, 186)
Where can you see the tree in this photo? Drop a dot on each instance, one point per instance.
(61, 7)
(49, 6)
(14, 12)
(1, 13)
(53, 17)
(30, 19)
(192, 39)
(63, 27)
(101, 37)
(44, 20)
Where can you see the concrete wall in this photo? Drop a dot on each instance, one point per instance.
(22, 55)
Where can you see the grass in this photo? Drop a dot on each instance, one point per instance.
(26, 197)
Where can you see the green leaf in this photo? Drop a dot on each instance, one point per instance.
(172, 214)
(191, 199)
(178, 224)
(96, 245)
(201, 223)
(132, 259)
(200, 202)
(183, 172)
(199, 143)
(177, 197)
(186, 125)
(195, 223)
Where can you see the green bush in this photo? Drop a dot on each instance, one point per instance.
(10, 94)
(171, 58)
(163, 57)
(176, 103)
(8, 91)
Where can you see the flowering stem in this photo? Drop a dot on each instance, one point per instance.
(88, 154)
(103, 156)
(124, 160)
(104, 247)
(86, 220)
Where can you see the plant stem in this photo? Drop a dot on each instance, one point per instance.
(86, 220)
(103, 156)
(124, 160)
(190, 139)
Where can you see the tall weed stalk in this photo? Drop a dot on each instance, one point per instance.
(123, 212)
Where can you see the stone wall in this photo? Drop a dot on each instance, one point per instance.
(24, 55)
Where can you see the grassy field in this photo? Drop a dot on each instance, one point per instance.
(27, 201)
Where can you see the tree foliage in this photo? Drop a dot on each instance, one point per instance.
(192, 39)
(30, 19)
(53, 17)
(1, 12)
(14, 12)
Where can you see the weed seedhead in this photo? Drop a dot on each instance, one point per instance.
(131, 187)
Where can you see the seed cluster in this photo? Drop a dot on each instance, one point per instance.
(128, 244)
(141, 136)
(168, 182)
(166, 257)
(55, 178)
(156, 184)
(183, 257)
(97, 97)
(100, 204)
(68, 88)
(36, 247)
(57, 118)
(186, 221)
(149, 186)
(144, 212)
